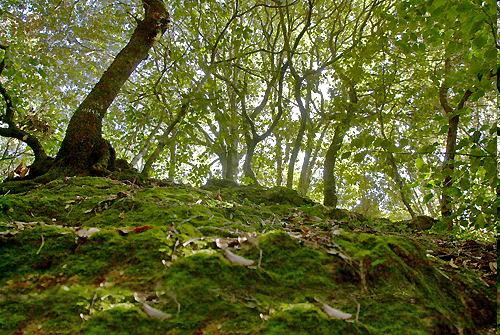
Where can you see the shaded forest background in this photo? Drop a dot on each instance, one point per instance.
(384, 107)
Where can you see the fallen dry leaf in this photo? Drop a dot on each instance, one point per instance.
(155, 313)
(335, 313)
(141, 229)
(21, 170)
(235, 259)
(221, 243)
(87, 232)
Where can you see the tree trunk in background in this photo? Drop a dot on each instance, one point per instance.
(279, 161)
(147, 144)
(396, 176)
(451, 144)
(247, 165)
(310, 158)
(164, 140)
(448, 166)
(394, 171)
(172, 162)
(232, 158)
(330, 197)
(304, 119)
(303, 179)
(83, 149)
(295, 152)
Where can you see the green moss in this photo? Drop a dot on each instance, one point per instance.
(306, 319)
(56, 282)
(122, 320)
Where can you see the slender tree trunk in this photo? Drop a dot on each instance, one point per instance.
(330, 197)
(303, 179)
(304, 114)
(164, 140)
(451, 143)
(312, 164)
(279, 161)
(448, 165)
(172, 162)
(247, 165)
(295, 153)
(83, 149)
(146, 145)
(396, 176)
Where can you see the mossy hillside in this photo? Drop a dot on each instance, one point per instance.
(54, 281)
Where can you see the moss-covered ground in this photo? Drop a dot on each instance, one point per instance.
(98, 256)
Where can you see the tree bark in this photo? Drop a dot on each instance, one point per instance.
(146, 145)
(279, 161)
(164, 140)
(451, 143)
(396, 176)
(394, 172)
(330, 197)
(83, 149)
(247, 165)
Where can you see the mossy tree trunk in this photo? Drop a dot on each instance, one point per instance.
(83, 149)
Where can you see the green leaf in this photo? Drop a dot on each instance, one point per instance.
(359, 157)
(346, 155)
(428, 198)
(419, 163)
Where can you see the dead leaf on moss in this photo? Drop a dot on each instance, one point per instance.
(335, 313)
(222, 243)
(141, 229)
(21, 170)
(155, 313)
(84, 232)
(238, 260)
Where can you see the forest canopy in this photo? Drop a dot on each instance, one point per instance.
(384, 107)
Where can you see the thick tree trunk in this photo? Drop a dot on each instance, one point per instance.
(83, 149)
(231, 170)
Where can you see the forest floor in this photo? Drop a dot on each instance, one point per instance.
(88, 255)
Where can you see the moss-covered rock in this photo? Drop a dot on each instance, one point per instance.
(76, 253)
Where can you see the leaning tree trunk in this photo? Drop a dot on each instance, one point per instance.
(83, 149)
